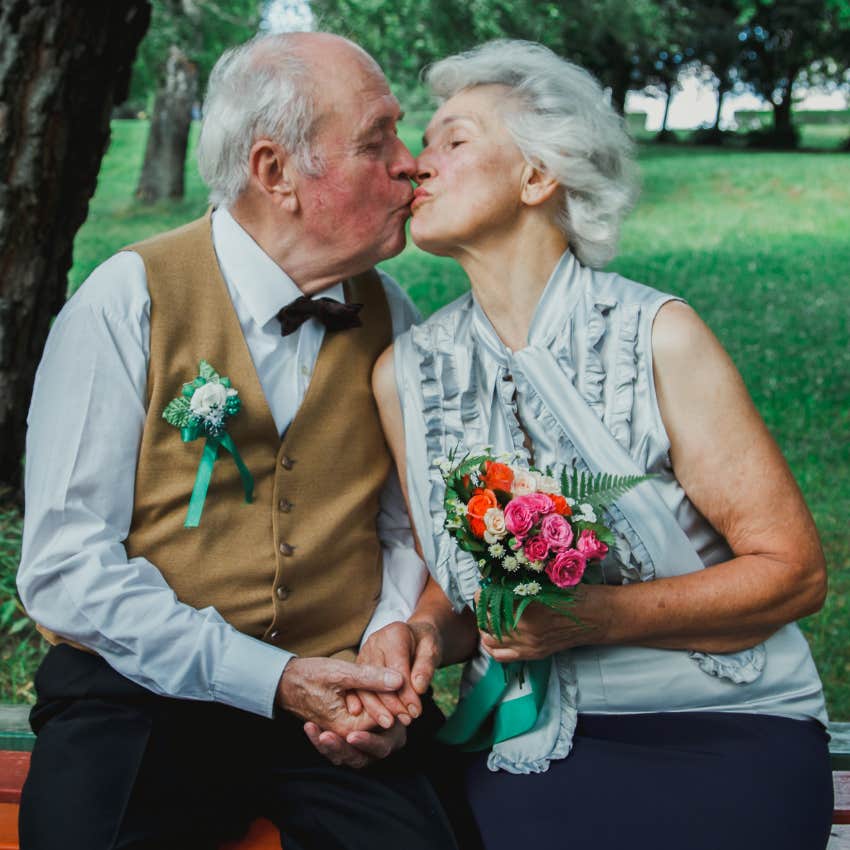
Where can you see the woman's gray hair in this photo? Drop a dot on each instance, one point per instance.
(261, 89)
(563, 122)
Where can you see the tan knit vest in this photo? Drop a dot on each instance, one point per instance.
(300, 567)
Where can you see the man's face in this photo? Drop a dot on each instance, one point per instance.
(357, 208)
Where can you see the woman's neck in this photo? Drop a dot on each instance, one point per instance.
(508, 276)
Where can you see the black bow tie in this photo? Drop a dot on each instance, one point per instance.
(332, 314)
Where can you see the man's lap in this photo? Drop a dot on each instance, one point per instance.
(117, 766)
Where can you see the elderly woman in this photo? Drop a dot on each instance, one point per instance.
(683, 710)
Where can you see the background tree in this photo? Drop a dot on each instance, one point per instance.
(606, 36)
(184, 40)
(63, 66)
(783, 38)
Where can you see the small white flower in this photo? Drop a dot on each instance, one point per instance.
(587, 513)
(497, 550)
(444, 465)
(570, 502)
(547, 484)
(510, 564)
(208, 398)
(535, 566)
(453, 522)
(482, 562)
(460, 507)
(520, 556)
(530, 588)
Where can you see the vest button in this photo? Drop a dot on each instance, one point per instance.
(285, 506)
(286, 549)
(282, 592)
(274, 635)
(287, 462)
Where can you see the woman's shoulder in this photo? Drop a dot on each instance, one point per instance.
(614, 288)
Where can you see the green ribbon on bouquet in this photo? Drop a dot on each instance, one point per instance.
(483, 719)
(205, 470)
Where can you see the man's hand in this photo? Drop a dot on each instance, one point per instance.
(414, 650)
(357, 749)
(314, 689)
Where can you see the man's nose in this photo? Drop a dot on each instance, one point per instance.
(403, 165)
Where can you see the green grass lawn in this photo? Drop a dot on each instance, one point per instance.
(758, 244)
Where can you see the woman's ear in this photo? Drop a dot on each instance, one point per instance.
(537, 186)
(271, 172)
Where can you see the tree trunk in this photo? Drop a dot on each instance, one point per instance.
(783, 130)
(722, 90)
(667, 101)
(163, 173)
(62, 67)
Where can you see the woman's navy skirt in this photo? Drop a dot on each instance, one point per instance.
(685, 781)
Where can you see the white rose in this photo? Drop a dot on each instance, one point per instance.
(207, 398)
(547, 484)
(525, 482)
(494, 525)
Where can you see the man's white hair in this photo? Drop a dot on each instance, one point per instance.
(261, 89)
(563, 122)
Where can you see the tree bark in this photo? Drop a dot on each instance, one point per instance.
(63, 65)
(163, 172)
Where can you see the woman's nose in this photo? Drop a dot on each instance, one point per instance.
(424, 169)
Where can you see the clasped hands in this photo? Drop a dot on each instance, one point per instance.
(357, 713)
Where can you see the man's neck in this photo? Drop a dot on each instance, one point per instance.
(309, 267)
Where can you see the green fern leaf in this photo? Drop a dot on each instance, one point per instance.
(507, 611)
(481, 608)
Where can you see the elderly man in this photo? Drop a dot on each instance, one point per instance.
(200, 541)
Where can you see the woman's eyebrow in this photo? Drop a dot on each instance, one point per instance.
(450, 119)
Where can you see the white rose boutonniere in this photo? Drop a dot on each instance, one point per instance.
(202, 409)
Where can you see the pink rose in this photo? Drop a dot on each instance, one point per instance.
(519, 517)
(536, 548)
(566, 568)
(590, 545)
(540, 503)
(556, 531)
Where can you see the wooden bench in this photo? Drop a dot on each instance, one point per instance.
(16, 743)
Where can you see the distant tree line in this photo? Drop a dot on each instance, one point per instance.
(765, 46)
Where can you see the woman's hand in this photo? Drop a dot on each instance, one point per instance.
(542, 630)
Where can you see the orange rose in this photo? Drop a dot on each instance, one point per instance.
(560, 504)
(481, 502)
(498, 476)
(477, 527)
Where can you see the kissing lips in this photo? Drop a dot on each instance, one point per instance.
(419, 197)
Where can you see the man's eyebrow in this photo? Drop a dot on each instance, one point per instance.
(382, 123)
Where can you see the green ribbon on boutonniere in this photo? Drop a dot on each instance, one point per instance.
(202, 410)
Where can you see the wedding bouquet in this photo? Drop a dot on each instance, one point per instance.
(534, 536)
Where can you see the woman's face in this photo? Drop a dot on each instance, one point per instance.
(470, 175)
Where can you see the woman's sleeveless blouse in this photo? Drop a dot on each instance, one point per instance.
(459, 384)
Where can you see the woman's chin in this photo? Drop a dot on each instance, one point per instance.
(429, 242)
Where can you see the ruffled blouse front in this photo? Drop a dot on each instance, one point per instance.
(460, 386)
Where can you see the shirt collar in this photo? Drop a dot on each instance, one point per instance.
(248, 270)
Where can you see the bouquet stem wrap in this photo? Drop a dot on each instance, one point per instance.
(483, 717)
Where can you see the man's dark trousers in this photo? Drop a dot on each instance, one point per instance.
(115, 766)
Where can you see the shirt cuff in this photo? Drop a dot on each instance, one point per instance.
(248, 674)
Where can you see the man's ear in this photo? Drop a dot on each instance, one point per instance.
(271, 170)
(537, 185)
